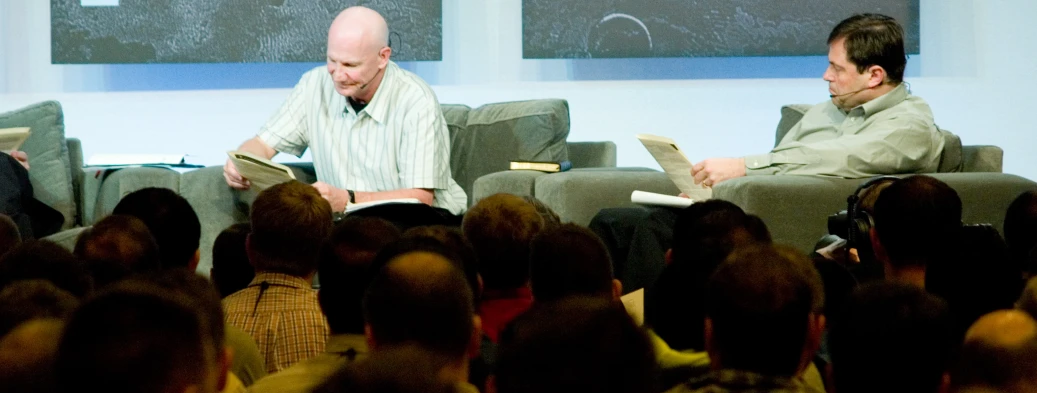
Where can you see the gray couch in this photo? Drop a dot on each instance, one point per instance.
(483, 140)
(795, 208)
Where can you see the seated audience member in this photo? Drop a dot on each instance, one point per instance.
(171, 220)
(27, 356)
(500, 228)
(344, 268)
(576, 344)
(231, 270)
(1021, 231)
(550, 217)
(1000, 352)
(407, 369)
(135, 338)
(34, 219)
(763, 322)
(569, 260)
(45, 260)
(25, 300)
(421, 298)
(289, 223)
(9, 235)
(115, 248)
(891, 337)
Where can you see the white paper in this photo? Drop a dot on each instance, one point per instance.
(634, 302)
(99, 3)
(134, 159)
(260, 172)
(352, 207)
(12, 138)
(675, 164)
(651, 198)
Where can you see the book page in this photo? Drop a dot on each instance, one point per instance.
(634, 302)
(675, 164)
(352, 207)
(12, 138)
(651, 198)
(261, 172)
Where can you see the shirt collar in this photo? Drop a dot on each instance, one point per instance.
(279, 279)
(885, 101)
(378, 108)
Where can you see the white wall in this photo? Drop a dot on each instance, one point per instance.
(977, 69)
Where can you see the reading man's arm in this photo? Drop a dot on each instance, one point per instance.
(339, 198)
(255, 146)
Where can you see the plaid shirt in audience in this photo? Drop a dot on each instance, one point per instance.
(734, 381)
(281, 313)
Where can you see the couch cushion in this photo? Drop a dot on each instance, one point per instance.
(951, 157)
(49, 171)
(496, 133)
(790, 115)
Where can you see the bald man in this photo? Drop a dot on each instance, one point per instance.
(376, 131)
(1000, 353)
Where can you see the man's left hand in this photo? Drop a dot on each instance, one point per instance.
(715, 170)
(338, 198)
(21, 157)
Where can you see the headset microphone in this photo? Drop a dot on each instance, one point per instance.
(846, 94)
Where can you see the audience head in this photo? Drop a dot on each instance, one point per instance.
(500, 228)
(231, 270)
(763, 311)
(135, 338)
(27, 356)
(451, 243)
(42, 259)
(550, 217)
(891, 337)
(345, 269)
(873, 40)
(289, 223)
(570, 260)
(1021, 230)
(1000, 352)
(171, 220)
(26, 300)
(117, 247)
(9, 235)
(404, 369)
(703, 236)
(915, 218)
(421, 298)
(577, 344)
(1028, 300)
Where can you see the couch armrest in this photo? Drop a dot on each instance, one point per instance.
(982, 158)
(579, 194)
(592, 154)
(519, 183)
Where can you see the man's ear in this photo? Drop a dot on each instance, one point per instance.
(383, 56)
(876, 246)
(475, 342)
(668, 258)
(876, 76)
(223, 368)
(369, 337)
(707, 333)
(617, 289)
(195, 259)
(249, 252)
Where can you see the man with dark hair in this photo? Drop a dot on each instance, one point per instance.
(569, 260)
(137, 339)
(500, 228)
(9, 235)
(891, 337)
(116, 247)
(231, 271)
(763, 322)
(42, 259)
(871, 126)
(289, 223)
(345, 271)
(33, 299)
(1000, 352)
(576, 344)
(422, 298)
(1021, 231)
(170, 219)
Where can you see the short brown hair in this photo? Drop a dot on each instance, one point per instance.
(289, 222)
(500, 228)
(873, 39)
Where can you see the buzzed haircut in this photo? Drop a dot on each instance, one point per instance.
(569, 260)
(500, 228)
(915, 218)
(577, 344)
(231, 270)
(873, 39)
(891, 337)
(9, 234)
(289, 223)
(345, 269)
(760, 301)
(32, 299)
(550, 217)
(195, 290)
(416, 242)
(404, 369)
(1008, 363)
(46, 260)
(134, 339)
(704, 235)
(456, 245)
(421, 298)
(117, 247)
(171, 220)
(1021, 230)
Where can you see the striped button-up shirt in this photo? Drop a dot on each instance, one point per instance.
(398, 141)
(281, 313)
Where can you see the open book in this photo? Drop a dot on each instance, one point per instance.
(12, 138)
(261, 172)
(352, 207)
(676, 165)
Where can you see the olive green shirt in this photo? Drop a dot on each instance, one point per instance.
(891, 134)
